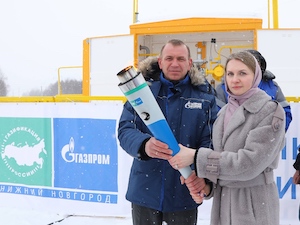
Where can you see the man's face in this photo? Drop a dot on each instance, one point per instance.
(174, 62)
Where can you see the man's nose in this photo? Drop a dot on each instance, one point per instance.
(175, 62)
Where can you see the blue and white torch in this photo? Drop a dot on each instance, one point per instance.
(139, 95)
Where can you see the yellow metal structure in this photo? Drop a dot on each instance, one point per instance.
(145, 34)
(135, 11)
(201, 54)
(274, 13)
(62, 98)
(217, 72)
(192, 25)
(59, 76)
(86, 68)
(293, 99)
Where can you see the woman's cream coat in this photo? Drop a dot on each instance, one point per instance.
(242, 163)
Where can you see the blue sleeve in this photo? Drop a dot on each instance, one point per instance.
(284, 103)
(131, 131)
(213, 117)
(288, 117)
(221, 99)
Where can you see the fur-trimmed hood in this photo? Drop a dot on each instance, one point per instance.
(150, 69)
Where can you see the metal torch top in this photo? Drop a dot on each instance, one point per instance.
(127, 74)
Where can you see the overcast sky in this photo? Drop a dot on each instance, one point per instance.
(39, 36)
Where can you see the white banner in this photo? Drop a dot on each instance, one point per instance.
(65, 158)
(288, 192)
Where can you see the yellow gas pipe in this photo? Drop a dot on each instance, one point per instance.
(218, 71)
(135, 11)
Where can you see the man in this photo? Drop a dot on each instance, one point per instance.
(296, 177)
(267, 84)
(188, 103)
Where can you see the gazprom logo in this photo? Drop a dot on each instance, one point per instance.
(68, 155)
(136, 102)
(193, 105)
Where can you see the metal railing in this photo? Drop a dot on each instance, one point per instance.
(61, 98)
(82, 98)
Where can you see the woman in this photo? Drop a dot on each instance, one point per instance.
(268, 84)
(248, 135)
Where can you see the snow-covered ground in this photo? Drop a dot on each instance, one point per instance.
(15, 216)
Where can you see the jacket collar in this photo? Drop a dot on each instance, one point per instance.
(150, 69)
(171, 87)
(171, 84)
(257, 102)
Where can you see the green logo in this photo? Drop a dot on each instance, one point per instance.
(26, 151)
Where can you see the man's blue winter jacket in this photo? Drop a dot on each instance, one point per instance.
(190, 111)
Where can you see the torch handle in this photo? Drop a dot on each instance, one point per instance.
(185, 172)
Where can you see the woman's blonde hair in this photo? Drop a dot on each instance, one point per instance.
(245, 57)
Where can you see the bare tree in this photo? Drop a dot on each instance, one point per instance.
(3, 85)
(34, 92)
(71, 86)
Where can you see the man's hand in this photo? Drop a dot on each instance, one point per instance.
(198, 198)
(296, 177)
(195, 185)
(157, 149)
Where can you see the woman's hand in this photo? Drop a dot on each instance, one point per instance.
(184, 158)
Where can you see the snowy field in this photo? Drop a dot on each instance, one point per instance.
(14, 216)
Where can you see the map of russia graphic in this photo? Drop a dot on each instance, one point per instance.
(32, 154)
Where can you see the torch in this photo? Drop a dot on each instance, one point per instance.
(139, 95)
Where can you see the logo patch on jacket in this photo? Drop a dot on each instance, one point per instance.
(193, 105)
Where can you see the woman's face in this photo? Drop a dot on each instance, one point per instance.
(239, 77)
